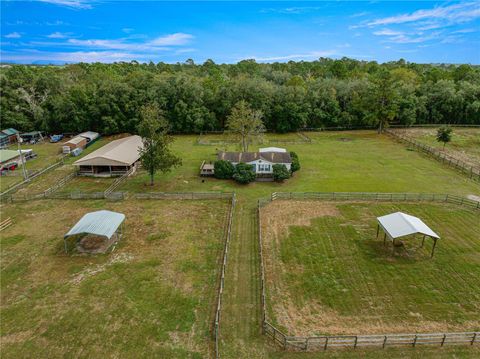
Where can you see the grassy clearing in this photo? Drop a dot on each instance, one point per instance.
(152, 297)
(465, 143)
(328, 274)
(334, 161)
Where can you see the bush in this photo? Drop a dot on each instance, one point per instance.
(295, 162)
(280, 172)
(244, 173)
(223, 169)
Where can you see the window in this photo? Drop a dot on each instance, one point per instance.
(263, 167)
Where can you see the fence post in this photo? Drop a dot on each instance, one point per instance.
(443, 340)
(326, 343)
(384, 341)
(474, 337)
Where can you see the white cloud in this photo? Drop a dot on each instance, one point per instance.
(294, 10)
(457, 13)
(127, 30)
(58, 35)
(13, 35)
(176, 39)
(309, 55)
(74, 4)
(387, 32)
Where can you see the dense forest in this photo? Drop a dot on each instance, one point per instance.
(291, 96)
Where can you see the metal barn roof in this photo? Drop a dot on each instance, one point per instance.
(101, 223)
(272, 149)
(90, 135)
(400, 224)
(122, 152)
(7, 155)
(10, 131)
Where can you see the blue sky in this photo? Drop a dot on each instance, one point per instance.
(64, 31)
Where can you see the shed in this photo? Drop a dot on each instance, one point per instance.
(32, 137)
(4, 140)
(207, 169)
(73, 143)
(399, 224)
(7, 156)
(90, 136)
(96, 231)
(11, 134)
(114, 159)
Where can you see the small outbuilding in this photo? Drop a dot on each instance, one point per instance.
(8, 136)
(90, 136)
(9, 156)
(207, 169)
(32, 137)
(96, 231)
(399, 224)
(73, 143)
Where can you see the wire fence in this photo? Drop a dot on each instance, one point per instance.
(471, 171)
(324, 342)
(221, 286)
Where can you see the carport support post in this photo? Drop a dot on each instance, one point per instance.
(423, 240)
(378, 229)
(434, 244)
(65, 244)
(384, 238)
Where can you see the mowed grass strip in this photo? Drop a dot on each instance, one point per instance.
(152, 297)
(329, 274)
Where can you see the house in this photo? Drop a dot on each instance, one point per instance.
(114, 159)
(262, 162)
(73, 143)
(8, 137)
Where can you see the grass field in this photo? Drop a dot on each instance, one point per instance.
(334, 161)
(328, 274)
(465, 143)
(152, 297)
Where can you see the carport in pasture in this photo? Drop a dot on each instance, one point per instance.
(96, 231)
(399, 224)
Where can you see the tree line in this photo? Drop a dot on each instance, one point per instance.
(108, 98)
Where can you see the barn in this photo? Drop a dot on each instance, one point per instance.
(73, 143)
(114, 159)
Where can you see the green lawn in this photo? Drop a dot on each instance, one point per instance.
(333, 276)
(152, 297)
(465, 143)
(334, 161)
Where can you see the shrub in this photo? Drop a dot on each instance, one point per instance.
(244, 173)
(280, 172)
(223, 169)
(295, 162)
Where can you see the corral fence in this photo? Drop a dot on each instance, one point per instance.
(7, 222)
(17, 186)
(469, 170)
(221, 286)
(118, 181)
(114, 196)
(183, 195)
(301, 138)
(324, 342)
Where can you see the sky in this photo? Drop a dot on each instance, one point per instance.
(69, 31)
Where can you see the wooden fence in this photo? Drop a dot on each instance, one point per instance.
(118, 181)
(114, 196)
(471, 171)
(221, 286)
(60, 184)
(183, 195)
(324, 342)
(17, 186)
(7, 222)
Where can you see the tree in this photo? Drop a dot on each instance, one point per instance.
(223, 169)
(280, 172)
(244, 173)
(156, 154)
(245, 123)
(295, 162)
(444, 134)
(384, 106)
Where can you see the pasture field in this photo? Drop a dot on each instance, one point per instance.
(153, 296)
(350, 161)
(327, 273)
(465, 143)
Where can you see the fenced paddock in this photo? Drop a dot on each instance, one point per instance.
(202, 227)
(472, 172)
(323, 342)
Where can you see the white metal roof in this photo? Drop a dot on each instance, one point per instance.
(272, 149)
(122, 152)
(76, 140)
(400, 224)
(101, 223)
(90, 135)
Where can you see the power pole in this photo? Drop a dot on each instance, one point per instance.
(25, 174)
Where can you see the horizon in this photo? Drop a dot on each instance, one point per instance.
(58, 32)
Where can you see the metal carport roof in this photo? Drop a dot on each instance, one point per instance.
(400, 224)
(101, 223)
